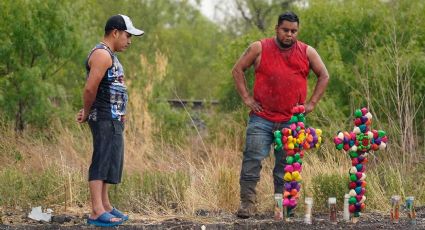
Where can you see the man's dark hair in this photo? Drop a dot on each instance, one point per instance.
(115, 22)
(288, 16)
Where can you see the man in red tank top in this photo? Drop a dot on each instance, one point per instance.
(282, 65)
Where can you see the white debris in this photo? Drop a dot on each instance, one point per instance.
(37, 214)
(203, 227)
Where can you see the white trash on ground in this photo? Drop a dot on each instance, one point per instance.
(37, 214)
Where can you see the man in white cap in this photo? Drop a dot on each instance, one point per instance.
(105, 99)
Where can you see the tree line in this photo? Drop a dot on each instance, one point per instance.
(373, 49)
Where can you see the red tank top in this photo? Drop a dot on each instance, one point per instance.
(281, 80)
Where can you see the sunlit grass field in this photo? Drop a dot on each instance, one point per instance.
(187, 170)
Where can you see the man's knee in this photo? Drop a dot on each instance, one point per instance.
(251, 170)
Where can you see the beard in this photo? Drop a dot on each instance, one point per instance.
(285, 45)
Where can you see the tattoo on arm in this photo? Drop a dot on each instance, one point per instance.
(246, 51)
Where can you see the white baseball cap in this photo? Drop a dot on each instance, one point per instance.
(122, 22)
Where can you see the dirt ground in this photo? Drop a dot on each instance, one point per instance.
(205, 220)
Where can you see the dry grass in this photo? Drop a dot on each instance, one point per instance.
(165, 177)
(212, 173)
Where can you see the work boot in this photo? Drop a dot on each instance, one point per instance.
(248, 200)
(246, 210)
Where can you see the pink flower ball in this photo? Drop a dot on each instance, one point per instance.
(297, 166)
(286, 202)
(289, 168)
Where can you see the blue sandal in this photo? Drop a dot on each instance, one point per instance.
(119, 214)
(104, 220)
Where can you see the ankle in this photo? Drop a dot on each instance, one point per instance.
(108, 207)
(96, 211)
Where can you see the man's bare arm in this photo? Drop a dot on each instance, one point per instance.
(319, 68)
(250, 57)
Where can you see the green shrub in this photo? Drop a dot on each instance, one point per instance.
(13, 186)
(172, 123)
(329, 185)
(24, 189)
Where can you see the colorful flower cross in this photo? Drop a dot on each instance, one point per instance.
(294, 140)
(358, 143)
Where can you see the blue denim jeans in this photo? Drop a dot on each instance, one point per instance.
(259, 140)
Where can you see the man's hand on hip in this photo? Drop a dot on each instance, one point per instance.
(251, 103)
